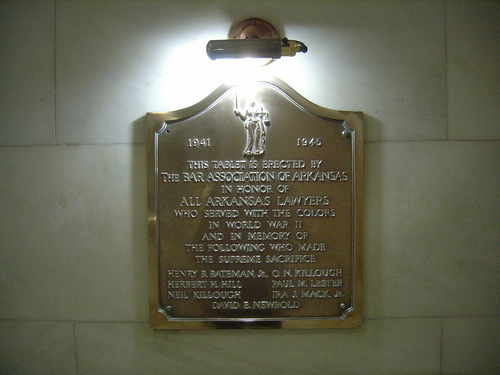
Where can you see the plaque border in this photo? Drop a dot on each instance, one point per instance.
(353, 122)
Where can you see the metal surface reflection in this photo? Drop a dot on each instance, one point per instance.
(256, 224)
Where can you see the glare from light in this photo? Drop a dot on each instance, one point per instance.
(190, 75)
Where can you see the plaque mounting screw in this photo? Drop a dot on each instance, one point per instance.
(342, 305)
(168, 308)
(346, 134)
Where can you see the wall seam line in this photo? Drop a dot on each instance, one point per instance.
(55, 72)
(441, 346)
(446, 69)
(74, 344)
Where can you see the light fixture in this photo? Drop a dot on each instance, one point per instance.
(254, 38)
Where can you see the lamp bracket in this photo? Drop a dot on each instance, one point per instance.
(253, 28)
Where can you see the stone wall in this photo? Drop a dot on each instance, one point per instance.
(77, 78)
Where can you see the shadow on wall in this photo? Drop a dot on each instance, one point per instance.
(372, 127)
(139, 209)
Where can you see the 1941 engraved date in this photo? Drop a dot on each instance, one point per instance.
(198, 142)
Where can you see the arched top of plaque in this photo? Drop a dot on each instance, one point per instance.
(255, 211)
(353, 117)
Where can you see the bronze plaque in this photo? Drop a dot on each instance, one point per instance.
(255, 204)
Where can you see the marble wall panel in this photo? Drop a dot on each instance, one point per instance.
(402, 346)
(27, 73)
(473, 69)
(471, 345)
(114, 64)
(384, 58)
(29, 347)
(431, 228)
(76, 215)
(73, 243)
(73, 233)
